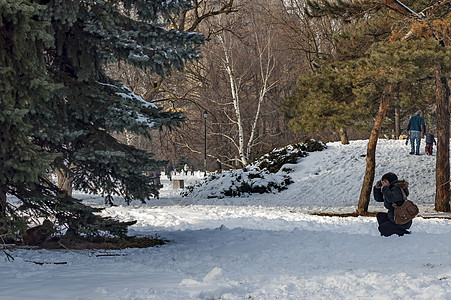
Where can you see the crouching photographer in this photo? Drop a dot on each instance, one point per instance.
(388, 190)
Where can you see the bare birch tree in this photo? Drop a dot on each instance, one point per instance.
(264, 63)
(260, 56)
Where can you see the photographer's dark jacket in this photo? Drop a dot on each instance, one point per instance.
(391, 194)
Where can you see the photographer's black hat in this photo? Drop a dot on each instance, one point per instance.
(390, 177)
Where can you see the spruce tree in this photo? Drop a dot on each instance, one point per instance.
(88, 35)
(23, 86)
(70, 121)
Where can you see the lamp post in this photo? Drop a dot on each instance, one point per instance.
(205, 114)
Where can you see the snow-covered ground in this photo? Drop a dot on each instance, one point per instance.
(262, 246)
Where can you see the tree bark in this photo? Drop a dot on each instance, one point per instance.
(3, 202)
(442, 168)
(365, 193)
(65, 181)
(344, 136)
(397, 122)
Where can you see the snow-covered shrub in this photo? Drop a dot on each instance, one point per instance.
(265, 175)
(274, 160)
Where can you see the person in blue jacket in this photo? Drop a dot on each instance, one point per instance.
(417, 129)
(388, 190)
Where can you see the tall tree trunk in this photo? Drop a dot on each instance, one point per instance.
(65, 180)
(234, 88)
(365, 193)
(267, 64)
(442, 162)
(397, 121)
(344, 136)
(3, 202)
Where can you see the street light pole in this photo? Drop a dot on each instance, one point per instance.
(205, 114)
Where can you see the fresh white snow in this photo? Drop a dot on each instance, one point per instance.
(266, 246)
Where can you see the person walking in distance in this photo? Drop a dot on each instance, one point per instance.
(430, 141)
(416, 129)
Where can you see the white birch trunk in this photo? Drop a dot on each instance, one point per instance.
(265, 61)
(234, 88)
(266, 67)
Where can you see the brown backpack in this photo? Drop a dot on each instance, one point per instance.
(406, 212)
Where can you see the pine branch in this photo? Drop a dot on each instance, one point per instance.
(345, 10)
(431, 9)
(8, 256)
